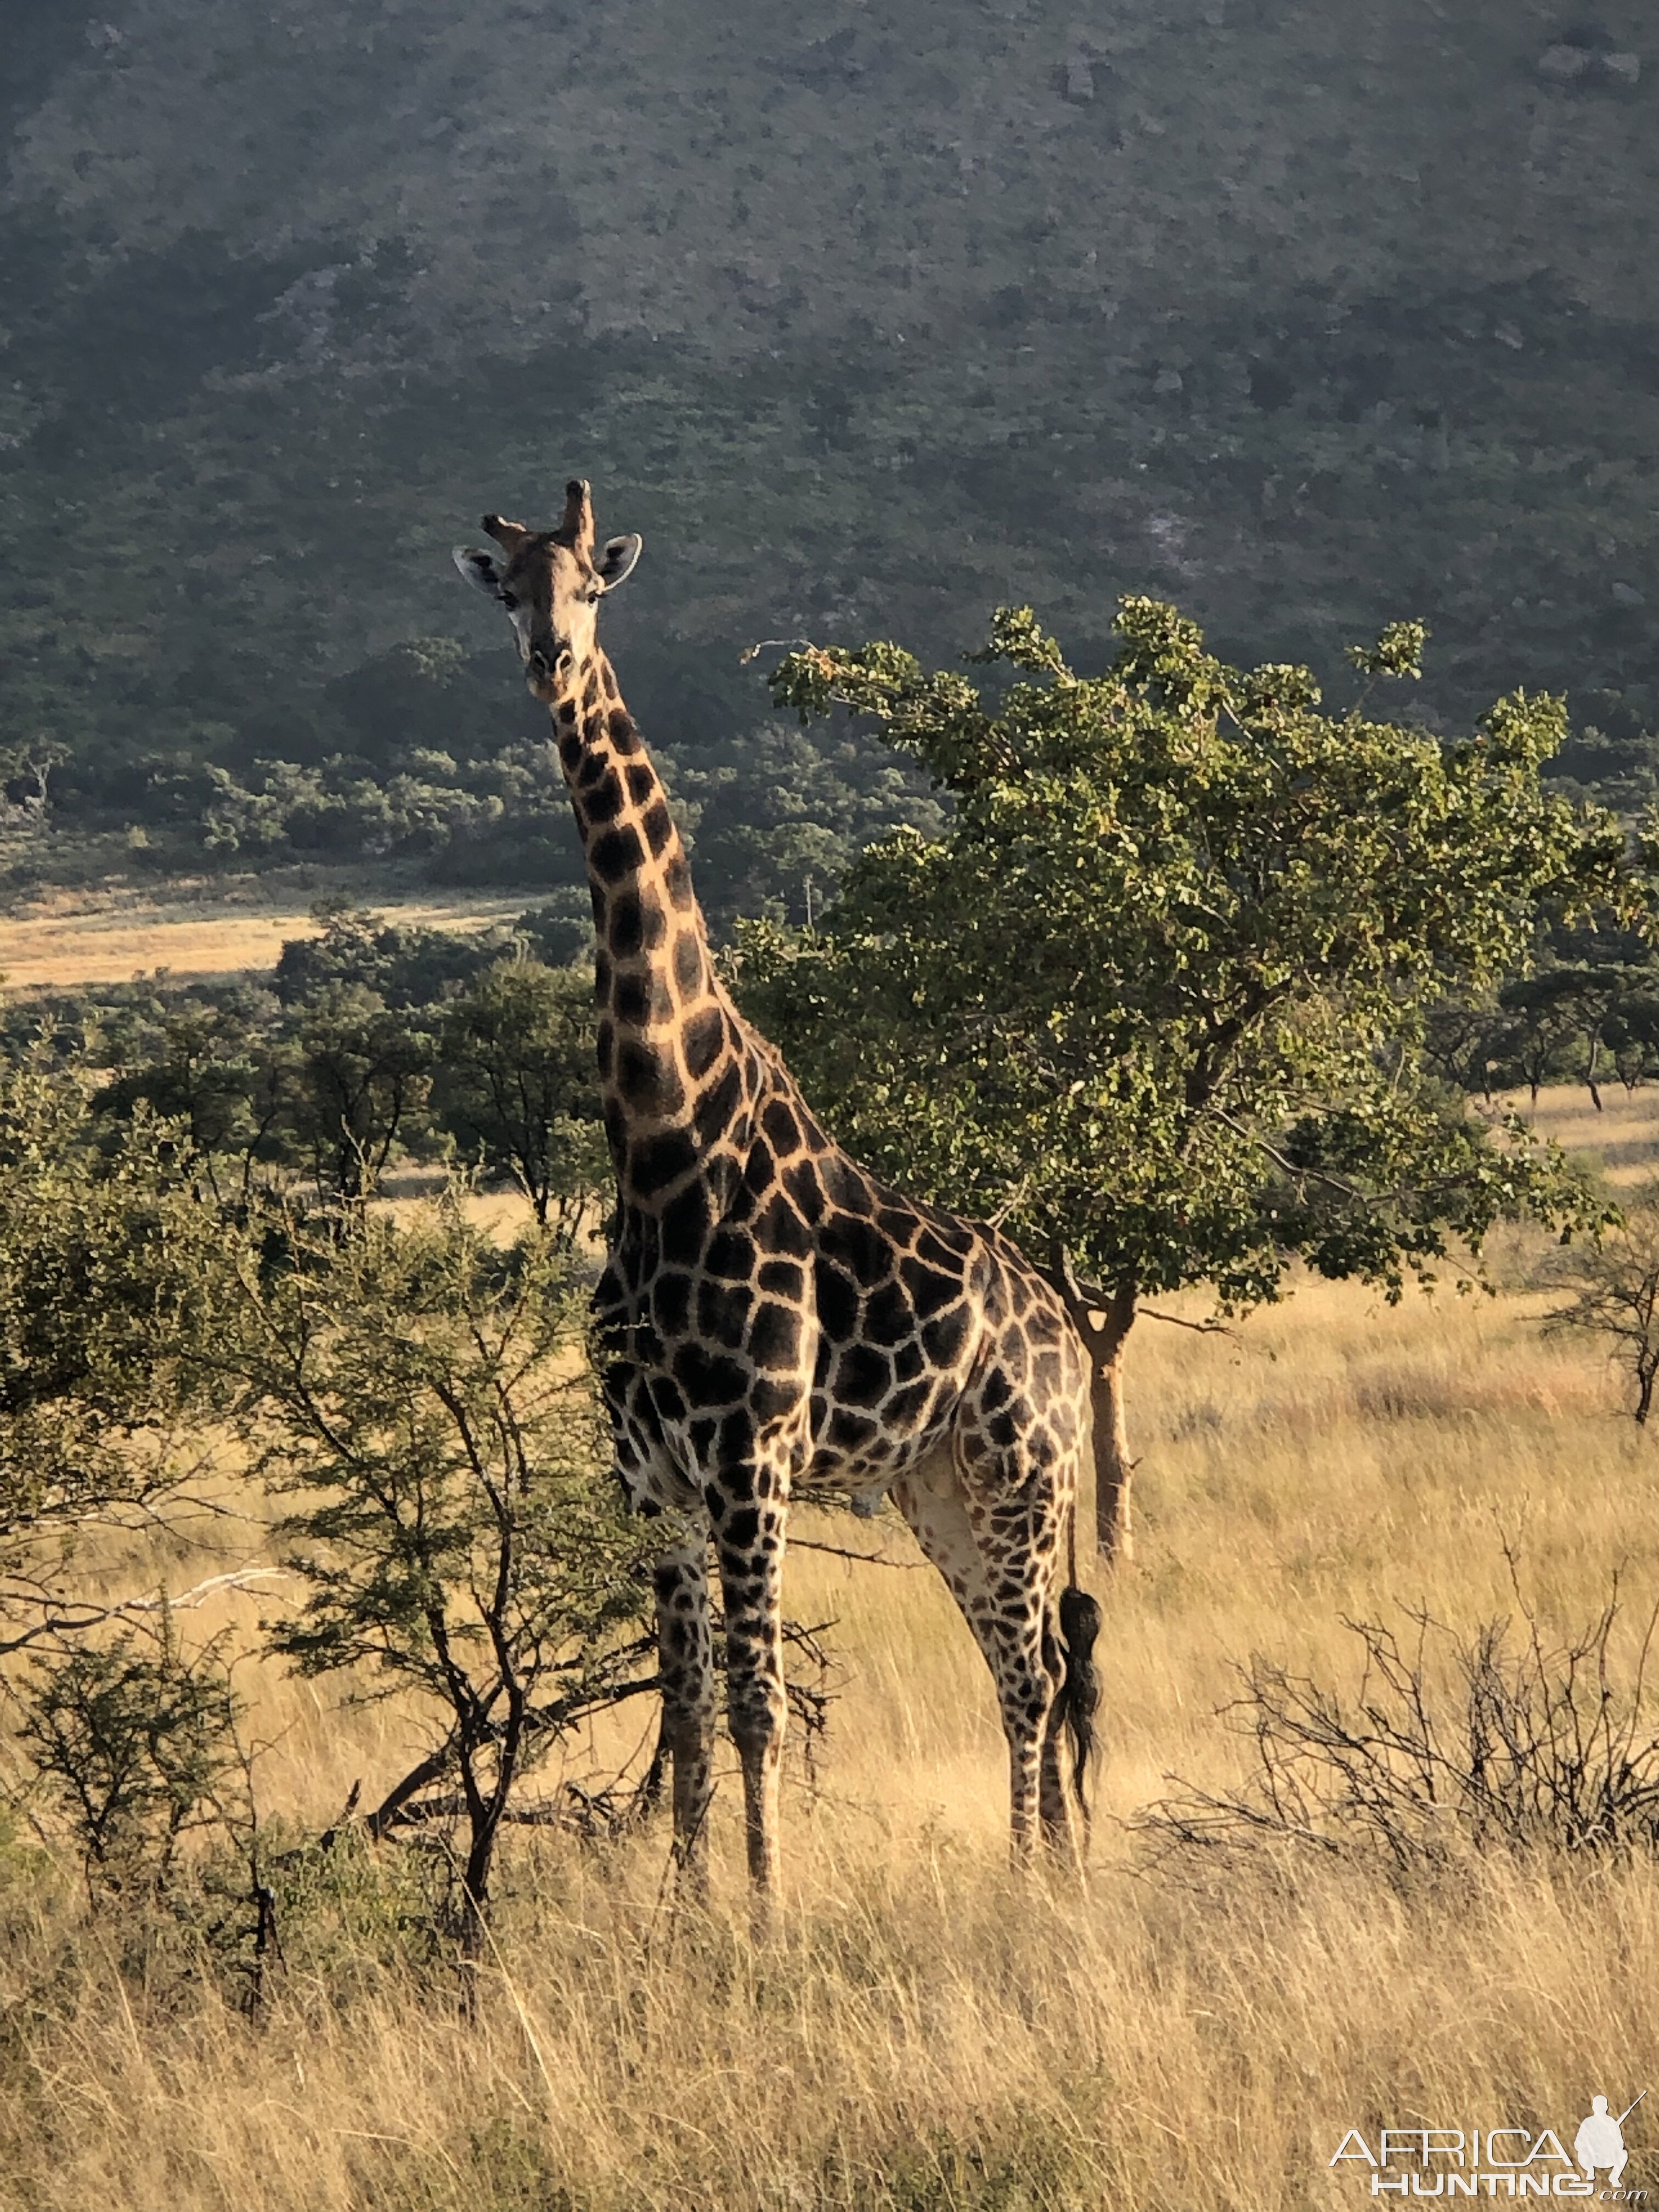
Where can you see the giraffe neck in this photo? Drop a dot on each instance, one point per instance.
(671, 1065)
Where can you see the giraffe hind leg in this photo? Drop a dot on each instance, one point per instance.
(1004, 1585)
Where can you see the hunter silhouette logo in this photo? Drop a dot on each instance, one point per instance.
(1498, 2161)
(1600, 2141)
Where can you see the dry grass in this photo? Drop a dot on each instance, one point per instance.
(1622, 1140)
(930, 2030)
(217, 928)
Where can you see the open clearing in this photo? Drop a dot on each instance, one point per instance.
(190, 934)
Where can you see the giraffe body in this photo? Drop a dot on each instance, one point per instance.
(777, 1323)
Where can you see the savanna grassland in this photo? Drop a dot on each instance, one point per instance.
(191, 928)
(1309, 317)
(930, 2030)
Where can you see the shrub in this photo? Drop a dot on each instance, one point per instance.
(130, 1749)
(1452, 1742)
(422, 1400)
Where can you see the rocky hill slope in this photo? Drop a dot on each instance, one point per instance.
(868, 317)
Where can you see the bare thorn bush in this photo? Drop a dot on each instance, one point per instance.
(1497, 1739)
(1614, 1287)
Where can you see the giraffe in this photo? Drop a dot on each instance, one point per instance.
(777, 1322)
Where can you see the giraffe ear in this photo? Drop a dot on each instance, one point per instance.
(616, 564)
(481, 570)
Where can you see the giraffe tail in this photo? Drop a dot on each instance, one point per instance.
(1079, 1687)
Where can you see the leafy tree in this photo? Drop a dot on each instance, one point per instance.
(1155, 998)
(1465, 1040)
(778, 819)
(421, 1398)
(111, 1270)
(560, 931)
(408, 966)
(218, 1080)
(26, 770)
(515, 1087)
(1631, 1029)
(1574, 1018)
(1554, 1026)
(360, 1076)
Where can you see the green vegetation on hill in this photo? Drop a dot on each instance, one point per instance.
(1309, 320)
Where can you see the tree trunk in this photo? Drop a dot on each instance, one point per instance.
(1105, 1332)
(472, 1911)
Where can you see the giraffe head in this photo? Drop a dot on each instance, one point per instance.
(551, 582)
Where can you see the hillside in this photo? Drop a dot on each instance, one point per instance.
(868, 318)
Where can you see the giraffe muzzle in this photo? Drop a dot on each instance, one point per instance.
(543, 666)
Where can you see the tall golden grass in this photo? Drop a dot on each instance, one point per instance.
(930, 2029)
(227, 929)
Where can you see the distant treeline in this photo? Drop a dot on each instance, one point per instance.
(1588, 1013)
(421, 758)
(369, 1046)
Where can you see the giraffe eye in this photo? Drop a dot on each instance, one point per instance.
(508, 601)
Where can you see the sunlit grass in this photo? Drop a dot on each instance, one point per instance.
(64, 939)
(931, 2030)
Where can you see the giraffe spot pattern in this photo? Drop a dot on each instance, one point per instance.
(641, 1002)
(703, 1041)
(602, 803)
(781, 1279)
(723, 1313)
(649, 1080)
(689, 972)
(658, 1162)
(778, 1318)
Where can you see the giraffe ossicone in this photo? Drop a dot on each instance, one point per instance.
(777, 1322)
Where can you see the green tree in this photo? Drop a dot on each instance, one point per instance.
(1552, 1026)
(1466, 1042)
(1155, 998)
(112, 1270)
(212, 1073)
(1613, 1287)
(421, 1399)
(1631, 1030)
(515, 1087)
(132, 1746)
(361, 1076)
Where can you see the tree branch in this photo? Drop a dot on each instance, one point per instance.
(79, 1618)
(865, 1559)
(1199, 1328)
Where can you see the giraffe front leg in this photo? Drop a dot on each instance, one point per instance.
(685, 1666)
(748, 1513)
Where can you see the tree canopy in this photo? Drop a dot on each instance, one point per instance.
(110, 1268)
(1156, 996)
